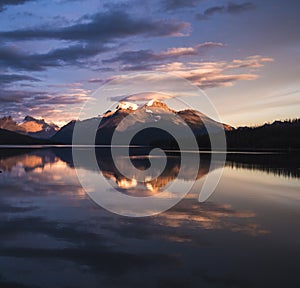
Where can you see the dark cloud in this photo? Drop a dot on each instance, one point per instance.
(12, 58)
(5, 3)
(129, 57)
(230, 8)
(169, 5)
(120, 6)
(90, 39)
(238, 8)
(15, 96)
(214, 10)
(71, 55)
(136, 68)
(10, 78)
(101, 27)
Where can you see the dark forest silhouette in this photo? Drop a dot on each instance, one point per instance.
(279, 135)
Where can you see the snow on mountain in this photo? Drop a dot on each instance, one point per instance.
(158, 104)
(150, 103)
(127, 105)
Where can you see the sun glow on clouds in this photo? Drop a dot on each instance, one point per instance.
(214, 74)
(202, 74)
(58, 106)
(188, 51)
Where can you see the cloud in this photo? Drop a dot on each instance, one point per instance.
(170, 5)
(90, 38)
(68, 85)
(215, 80)
(190, 51)
(5, 3)
(95, 80)
(230, 8)
(146, 96)
(11, 57)
(104, 27)
(72, 54)
(203, 74)
(255, 61)
(148, 56)
(54, 105)
(10, 78)
(16, 96)
(215, 74)
(132, 57)
(239, 8)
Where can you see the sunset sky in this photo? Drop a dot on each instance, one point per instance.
(245, 55)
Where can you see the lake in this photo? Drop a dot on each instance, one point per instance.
(54, 235)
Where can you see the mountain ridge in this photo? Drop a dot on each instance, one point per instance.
(152, 112)
(37, 128)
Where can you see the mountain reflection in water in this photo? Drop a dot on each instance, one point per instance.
(50, 225)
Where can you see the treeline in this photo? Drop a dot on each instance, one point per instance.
(279, 135)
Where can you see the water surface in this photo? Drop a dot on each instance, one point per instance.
(53, 235)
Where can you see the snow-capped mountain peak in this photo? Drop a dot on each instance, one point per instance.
(127, 105)
(154, 103)
(150, 103)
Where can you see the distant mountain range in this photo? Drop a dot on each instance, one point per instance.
(30, 126)
(278, 135)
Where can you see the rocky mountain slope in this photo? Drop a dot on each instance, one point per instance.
(30, 126)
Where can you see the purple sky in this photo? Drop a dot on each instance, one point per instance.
(245, 55)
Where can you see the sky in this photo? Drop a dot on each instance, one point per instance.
(245, 55)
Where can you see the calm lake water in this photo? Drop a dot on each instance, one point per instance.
(53, 235)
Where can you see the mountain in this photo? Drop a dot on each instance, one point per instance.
(38, 128)
(13, 138)
(159, 114)
(9, 124)
(152, 112)
(65, 134)
(30, 126)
